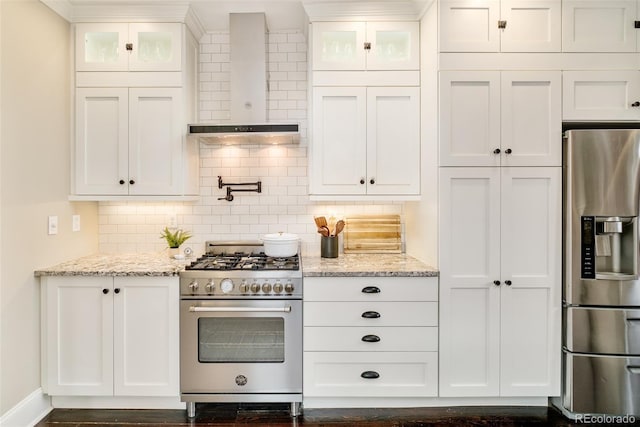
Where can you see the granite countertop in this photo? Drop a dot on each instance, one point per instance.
(160, 264)
(359, 265)
(135, 264)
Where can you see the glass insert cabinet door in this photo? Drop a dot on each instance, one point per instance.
(394, 45)
(128, 47)
(366, 46)
(338, 46)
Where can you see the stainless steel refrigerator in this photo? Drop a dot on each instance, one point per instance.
(601, 292)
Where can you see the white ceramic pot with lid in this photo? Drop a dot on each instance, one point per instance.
(280, 245)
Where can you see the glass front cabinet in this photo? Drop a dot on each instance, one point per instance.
(366, 46)
(128, 47)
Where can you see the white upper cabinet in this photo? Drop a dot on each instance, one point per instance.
(129, 141)
(601, 95)
(366, 141)
(500, 26)
(531, 118)
(365, 46)
(128, 47)
(492, 118)
(599, 25)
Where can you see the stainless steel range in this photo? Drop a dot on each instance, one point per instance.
(241, 327)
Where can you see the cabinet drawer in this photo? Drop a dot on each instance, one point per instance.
(370, 339)
(412, 374)
(374, 313)
(370, 288)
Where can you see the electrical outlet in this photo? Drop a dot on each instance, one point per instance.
(172, 219)
(53, 224)
(75, 220)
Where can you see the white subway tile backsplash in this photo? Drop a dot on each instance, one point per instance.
(284, 203)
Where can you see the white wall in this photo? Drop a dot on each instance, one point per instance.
(283, 205)
(34, 182)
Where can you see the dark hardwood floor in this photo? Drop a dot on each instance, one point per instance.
(227, 415)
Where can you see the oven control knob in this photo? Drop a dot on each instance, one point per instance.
(209, 287)
(288, 288)
(277, 288)
(266, 288)
(255, 288)
(193, 286)
(244, 287)
(226, 285)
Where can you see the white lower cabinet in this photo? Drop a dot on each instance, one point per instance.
(500, 281)
(110, 336)
(370, 337)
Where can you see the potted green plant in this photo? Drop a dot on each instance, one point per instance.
(174, 239)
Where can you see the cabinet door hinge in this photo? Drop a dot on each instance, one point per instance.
(502, 24)
(367, 46)
(129, 46)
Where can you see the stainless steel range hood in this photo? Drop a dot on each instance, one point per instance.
(248, 90)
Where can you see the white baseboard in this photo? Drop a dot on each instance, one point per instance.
(28, 411)
(117, 402)
(417, 402)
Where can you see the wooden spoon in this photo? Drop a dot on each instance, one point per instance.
(339, 227)
(320, 221)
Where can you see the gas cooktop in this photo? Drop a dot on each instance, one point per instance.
(244, 261)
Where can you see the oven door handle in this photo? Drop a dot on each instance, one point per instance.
(195, 309)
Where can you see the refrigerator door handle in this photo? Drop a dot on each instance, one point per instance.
(633, 369)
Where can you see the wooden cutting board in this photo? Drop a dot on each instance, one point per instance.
(372, 234)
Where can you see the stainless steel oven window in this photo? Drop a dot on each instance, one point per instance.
(241, 340)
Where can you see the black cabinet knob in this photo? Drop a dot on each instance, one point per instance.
(371, 315)
(636, 104)
(496, 151)
(371, 338)
(372, 181)
(131, 182)
(116, 290)
(496, 282)
(105, 291)
(370, 375)
(122, 181)
(362, 181)
(371, 290)
(507, 282)
(508, 151)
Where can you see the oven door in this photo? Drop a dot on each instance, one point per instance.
(241, 346)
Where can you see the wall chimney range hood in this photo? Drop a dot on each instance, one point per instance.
(248, 90)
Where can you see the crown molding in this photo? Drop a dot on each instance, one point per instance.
(109, 12)
(374, 10)
(122, 11)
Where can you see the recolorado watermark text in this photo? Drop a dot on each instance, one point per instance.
(605, 419)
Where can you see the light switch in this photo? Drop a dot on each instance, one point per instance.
(53, 224)
(75, 226)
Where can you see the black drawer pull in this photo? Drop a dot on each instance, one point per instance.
(371, 338)
(371, 315)
(370, 375)
(371, 290)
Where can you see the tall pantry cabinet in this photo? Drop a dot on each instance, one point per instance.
(500, 189)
